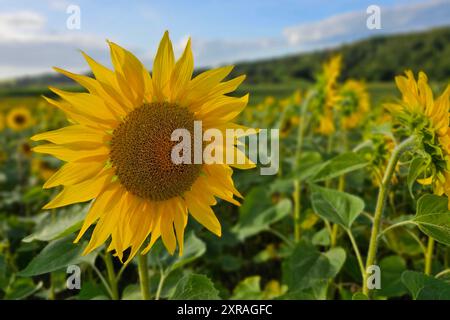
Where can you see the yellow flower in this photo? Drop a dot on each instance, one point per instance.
(2, 122)
(326, 125)
(42, 168)
(118, 151)
(429, 118)
(326, 96)
(19, 119)
(353, 103)
(331, 72)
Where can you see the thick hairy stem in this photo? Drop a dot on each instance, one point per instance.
(381, 201)
(429, 256)
(143, 276)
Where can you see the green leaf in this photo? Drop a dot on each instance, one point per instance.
(248, 289)
(22, 288)
(392, 268)
(195, 287)
(57, 255)
(307, 270)
(415, 169)
(336, 206)
(433, 217)
(258, 213)
(423, 287)
(321, 237)
(61, 224)
(194, 248)
(308, 164)
(359, 296)
(340, 165)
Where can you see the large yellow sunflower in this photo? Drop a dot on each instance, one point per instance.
(429, 118)
(118, 150)
(19, 119)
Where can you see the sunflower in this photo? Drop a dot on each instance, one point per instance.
(118, 150)
(326, 96)
(353, 103)
(42, 168)
(428, 118)
(19, 119)
(2, 122)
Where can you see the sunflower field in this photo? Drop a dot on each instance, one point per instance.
(91, 207)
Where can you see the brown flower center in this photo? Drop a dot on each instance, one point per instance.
(141, 150)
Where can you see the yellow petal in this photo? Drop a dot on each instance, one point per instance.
(81, 192)
(162, 68)
(75, 172)
(182, 73)
(180, 220)
(73, 152)
(75, 133)
(88, 104)
(104, 202)
(167, 232)
(202, 213)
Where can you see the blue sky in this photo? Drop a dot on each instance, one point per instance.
(33, 34)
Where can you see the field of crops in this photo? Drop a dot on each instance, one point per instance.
(357, 210)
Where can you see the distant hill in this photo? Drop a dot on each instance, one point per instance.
(374, 59)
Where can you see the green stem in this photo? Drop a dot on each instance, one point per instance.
(443, 273)
(395, 225)
(429, 256)
(357, 252)
(143, 276)
(112, 279)
(297, 182)
(297, 210)
(162, 278)
(381, 201)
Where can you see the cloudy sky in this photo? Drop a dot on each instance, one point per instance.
(34, 34)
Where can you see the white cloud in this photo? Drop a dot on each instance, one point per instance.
(27, 47)
(352, 25)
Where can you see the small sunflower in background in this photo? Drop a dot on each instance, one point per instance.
(353, 103)
(118, 150)
(42, 168)
(2, 122)
(421, 114)
(19, 119)
(326, 96)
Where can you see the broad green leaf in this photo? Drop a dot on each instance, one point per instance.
(359, 296)
(22, 288)
(248, 289)
(307, 270)
(308, 164)
(433, 217)
(195, 287)
(391, 285)
(57, 255)
(194, 248)
(321, 237)
(58, 225)
(132, 292)
(336, 206)
(339, 165)
(92, 290)
(258, 213)
(423, 287)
